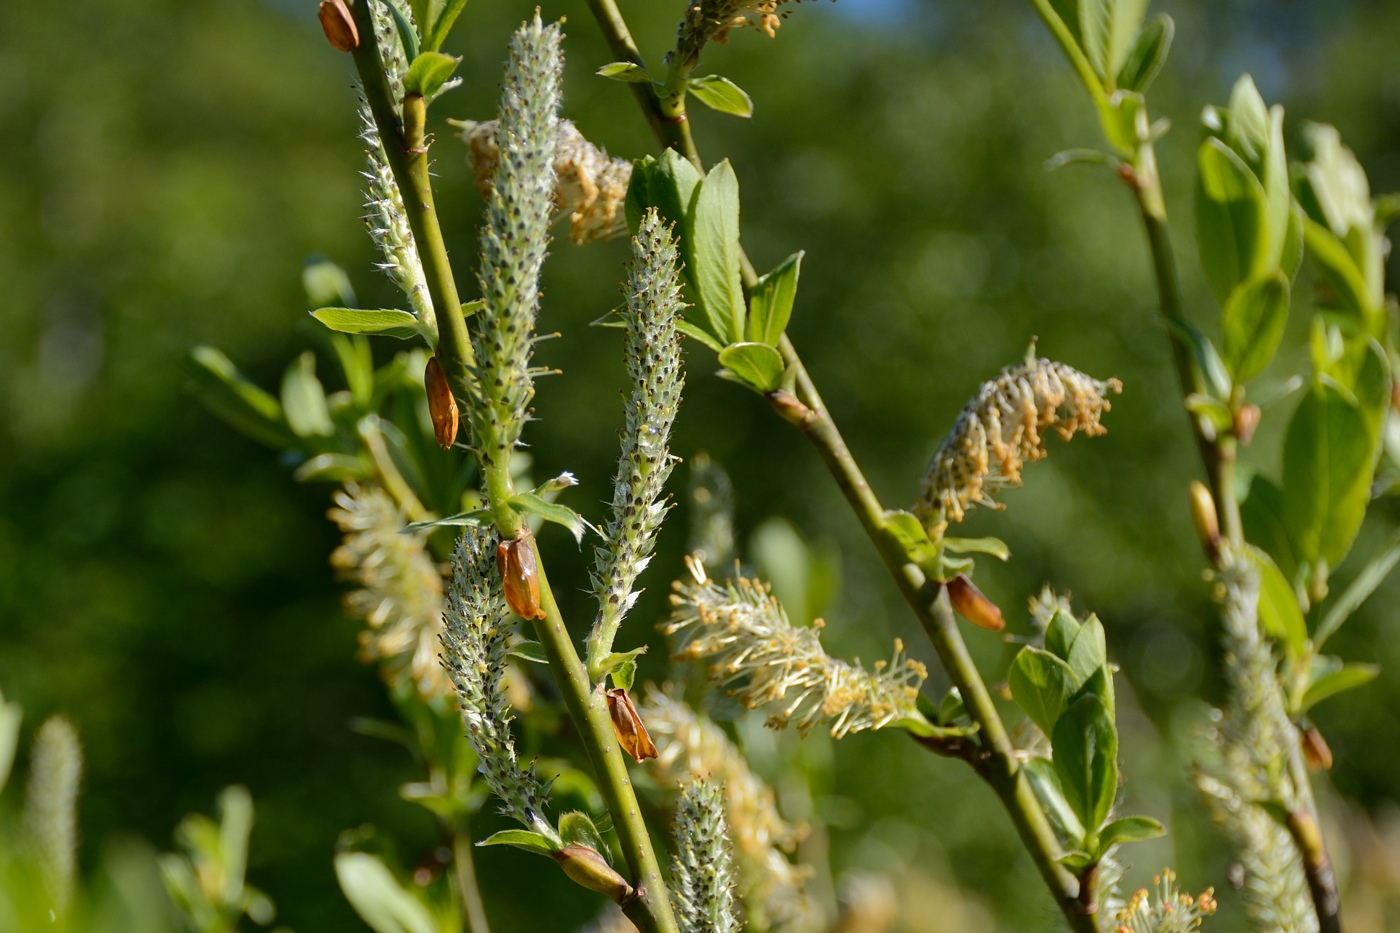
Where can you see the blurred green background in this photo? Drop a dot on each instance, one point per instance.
(167, 165)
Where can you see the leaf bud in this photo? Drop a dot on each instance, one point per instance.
(631, 732)
(441, 405)
(586, 867)
(976, 608)
(1204, 518)
(1246, 420)
(339, 25)
(519, 576)
(1315, 749)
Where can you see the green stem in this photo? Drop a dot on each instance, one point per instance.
(651, 909)
(406, 150)
(995, 758)
(467, 888)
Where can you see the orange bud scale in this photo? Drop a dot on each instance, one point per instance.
(631, 732)
(976, 608)
(339, 25)
(441, 405)
(519, 576)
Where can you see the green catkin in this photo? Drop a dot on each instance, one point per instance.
(703, 872)
(514, 241)
(654, 365)
(475, 650)
(50, 817)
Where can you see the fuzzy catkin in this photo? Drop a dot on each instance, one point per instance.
(475, 649)
(514, 240)
(703, 872)
(742, 630)
(1252, 743)
(1001, 429)
(654, 366)
(398, 589)
(50, 818)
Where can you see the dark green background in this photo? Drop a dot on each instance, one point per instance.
(166, 166)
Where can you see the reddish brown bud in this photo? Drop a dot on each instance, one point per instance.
(973, 606)
(441, 405)
(339, 25)
(1316, 750)
(586, 867)
(1246, 420)
(631, 731)
(516, 560)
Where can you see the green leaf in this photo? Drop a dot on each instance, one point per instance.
(1248, 130)
(442, 23)
(1046, 784)
(1061, 633)
(386, 323)
(1041, 684)
(227, 393)
(1108, 31)
(1148, 54)
(1212, 409)
(325, 283)
(304, 399)
(379, 899)
(993, 547)
(576, 828)
(357, 365)
(770, 302)
(334, 468)
(1349, 677)
(521, 839)
(1119, 115)
(1327, 464)
(756, 365)
(1252, 321)
(626, 71)
(1129, 829)
(1207, 358)
(1085, 745)
(1279, 613)
(428, 73)
(1099, 684)
(11, 715)
(913, 538)
(1358, 592)
(1341, 272)
(531, 651)
(713, 226)
(691, 329)
(531, 504)
(722, 94)
(1262, 513)
(1089, 651)
(407, 34)
(1360, 367)
(470, 519)
(1232, 224)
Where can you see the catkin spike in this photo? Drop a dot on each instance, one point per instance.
(703, 868)
(514, 240)
(50, 816)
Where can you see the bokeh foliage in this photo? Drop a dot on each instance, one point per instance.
(165, 169)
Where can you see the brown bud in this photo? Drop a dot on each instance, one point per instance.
(586, 867)
(790, 408)
(339, 25)
(441, 405)
(1315, 749)
(631, 731)
(516, 560)
(1246, 420)
(973, 606)
(1203, 517)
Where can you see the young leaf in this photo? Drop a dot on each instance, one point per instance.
(1086, 760)
(386, 323)
(304, 399)
(1232, 225)
(770, 302)
(1041, 684)
(531, 651)
(531, 504)
(1108, 30)
(472, 518)
(442, 23)
(1129, 829)
(1148, 54)
(626, 71)
(1341, 271)
(428, 73)
(1248, 130)
(1262, 513)
(1089, 651)
(382, 903)
(691, 329)
(1279, 613)
(1349, 677)
(713, 225)
(1357, 592)
(576, 828)
(521, 839)
(407, 34)
(1060, 634)
(993, 547)
(1327, 461)
(1046, 785)
(722, 94)
(756, 365)
(227, 393)
(1252, 322)
(1099, 684)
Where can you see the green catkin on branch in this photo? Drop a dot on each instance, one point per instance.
(654, 366)
(1254, 739)
(703, 872)
(514, 241)
(1001, 429)
(744, 634)
(50, 818)
(475, 651)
